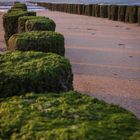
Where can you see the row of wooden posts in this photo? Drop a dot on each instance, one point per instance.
(125, 13)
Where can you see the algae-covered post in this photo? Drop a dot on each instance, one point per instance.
(97, 10)
(22, 21)
(83, 9)
(109, 11)
(121, 12)
(19, 6)
(45, 41)
(79, 9)
(93, 10)
(114, 12)
(139, 15)
(88, 10)
(104, 11)
(10, 22)
(24, 72)
(131, 14)
(40, 25)
(35, 23)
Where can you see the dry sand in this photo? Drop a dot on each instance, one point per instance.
(105, 56)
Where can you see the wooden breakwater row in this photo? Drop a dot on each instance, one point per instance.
(125, 13)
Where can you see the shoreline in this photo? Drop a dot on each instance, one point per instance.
(105, 57)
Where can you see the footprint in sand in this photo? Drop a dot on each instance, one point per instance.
(130, 56)
(89, 29)
(128, 28)
(92, 33)
(120, 44)
(118, 26)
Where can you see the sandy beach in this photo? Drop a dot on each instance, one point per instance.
(105, 56)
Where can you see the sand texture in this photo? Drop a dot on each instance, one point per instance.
(105, 56)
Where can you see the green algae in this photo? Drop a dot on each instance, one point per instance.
(22, 72)
(65, 116)
(45, 41)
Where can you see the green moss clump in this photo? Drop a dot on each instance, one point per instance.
(65, 116)
(15, 10)
(22, 6)
(45, 41)
(10, 22)
(19, 6)
(40, 25)
(131, 14)
(22, 72)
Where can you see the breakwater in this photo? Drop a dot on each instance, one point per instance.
(124, 13)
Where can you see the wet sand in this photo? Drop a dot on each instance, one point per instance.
(105, 57)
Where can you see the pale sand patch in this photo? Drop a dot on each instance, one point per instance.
(105, 57)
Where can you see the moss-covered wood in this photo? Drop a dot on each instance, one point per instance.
(83, 9)
(131, 14)
(109, 12)
(10, 22)
(93, 10)
(114, 12)
(97, 10)
(79, 10)
(88, 10)
(65, 116)
(121, 12)
(22, 21)
(139, 15)
(103, 11)
(19, 6)
(45, 41)
(22, 72)
(75, 9)
(15, 10)
(40, 25)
